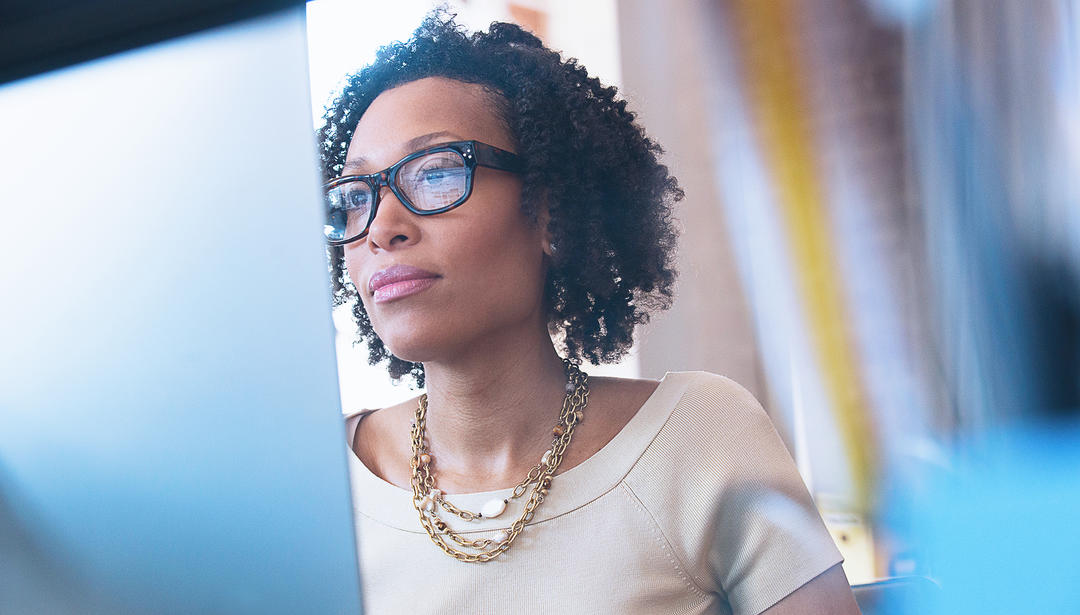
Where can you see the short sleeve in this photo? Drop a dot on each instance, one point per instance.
(726, 495)
(768, 538)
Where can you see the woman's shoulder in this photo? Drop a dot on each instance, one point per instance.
(396, 410)
(688, 424)
(712, 422)
(716, 396)
(676, 386)
(628, 393)
(688, 408)
(719, 483)
(371, 432)
(713, 397)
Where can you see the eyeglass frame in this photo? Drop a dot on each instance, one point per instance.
(474, 153)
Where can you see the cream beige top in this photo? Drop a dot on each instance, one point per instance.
(694, 507)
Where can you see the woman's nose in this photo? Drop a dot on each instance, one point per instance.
(394, 226)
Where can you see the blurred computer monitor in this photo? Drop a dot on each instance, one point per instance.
(170, 431)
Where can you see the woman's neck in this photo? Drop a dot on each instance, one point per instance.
(491, 411)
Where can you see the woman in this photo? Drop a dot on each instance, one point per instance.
(482, 196)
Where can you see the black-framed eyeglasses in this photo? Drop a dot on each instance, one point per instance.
(427, 182)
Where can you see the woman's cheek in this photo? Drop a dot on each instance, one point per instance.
(352, 264)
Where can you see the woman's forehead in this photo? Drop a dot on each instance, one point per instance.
(398, 117)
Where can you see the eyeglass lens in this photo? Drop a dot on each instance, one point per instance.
(429, 183)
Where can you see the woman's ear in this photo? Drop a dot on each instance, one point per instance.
(543, 217)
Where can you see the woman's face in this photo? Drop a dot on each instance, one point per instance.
(486, 261)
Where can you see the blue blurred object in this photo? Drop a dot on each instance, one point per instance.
(992, 101)
(1000, 530)
(170, 431)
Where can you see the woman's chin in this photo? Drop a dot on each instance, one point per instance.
(408, 355)
(413, 347)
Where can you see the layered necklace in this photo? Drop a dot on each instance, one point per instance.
(428, 499)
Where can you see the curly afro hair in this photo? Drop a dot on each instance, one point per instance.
(609, 198)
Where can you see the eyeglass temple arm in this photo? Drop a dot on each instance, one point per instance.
(496, 158)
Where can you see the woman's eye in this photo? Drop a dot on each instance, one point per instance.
(438, 175)
(359, 199)
(435, 176)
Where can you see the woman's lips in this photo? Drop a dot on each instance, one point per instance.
(404, 288)
(399, 281)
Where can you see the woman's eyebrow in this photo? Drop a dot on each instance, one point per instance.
(356, 164)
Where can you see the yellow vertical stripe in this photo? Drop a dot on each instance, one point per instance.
(772, 69)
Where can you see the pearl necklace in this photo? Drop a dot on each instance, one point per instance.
(427, 499)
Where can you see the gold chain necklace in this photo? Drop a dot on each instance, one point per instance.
(427, 499)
